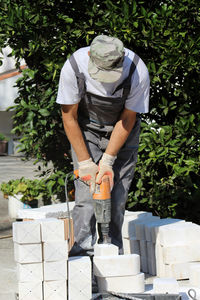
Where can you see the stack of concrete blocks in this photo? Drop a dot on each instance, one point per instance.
(79, 278)
(41, 253)
(177, 249)
(117, 273)
(134, 239)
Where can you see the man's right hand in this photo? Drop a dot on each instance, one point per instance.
(87, 172)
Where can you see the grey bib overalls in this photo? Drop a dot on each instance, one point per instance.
(97, 117)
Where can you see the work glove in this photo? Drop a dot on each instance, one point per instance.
(105, 168)
(87, 173)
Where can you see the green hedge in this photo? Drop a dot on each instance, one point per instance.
(165, 35)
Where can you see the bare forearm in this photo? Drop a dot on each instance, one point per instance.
(121, 132)
(75, 136)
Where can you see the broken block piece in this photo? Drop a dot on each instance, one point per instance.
(105, 250)
(79, 278)
(55, 251)
(52, 230)
(131, 246)
(122, 284)
(55, 270)
(121, 265)
(165, 285)
(28, 253)
(30, 290)
(26, 232)
(55, 290)
(30, 272)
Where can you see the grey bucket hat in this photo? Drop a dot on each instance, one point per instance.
(106, 58)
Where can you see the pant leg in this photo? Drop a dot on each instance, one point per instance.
(124, 168)
(83, 212)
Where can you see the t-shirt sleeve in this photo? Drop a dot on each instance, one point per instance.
(138, 99)
(67, 88)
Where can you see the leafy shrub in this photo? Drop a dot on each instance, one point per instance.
(165, 35)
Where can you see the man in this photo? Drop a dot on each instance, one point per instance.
(102, 90)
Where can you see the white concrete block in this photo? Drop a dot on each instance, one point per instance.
(140, 226)
(52, 230)
(178, 271)
(143, 248)
(105, 250)
(121, 265)
(26, 232)
(151, 229)
(144, 264)
(55, 270)
(28, 253)
(79, 278)
(128, 228)
(55, 290)
(160, 266)
(122, 284)
(151, 264)
(131, 246)
(54, 251)
(181, 253)
(151, 258)
(178, 233)
(30, 290)
(165, 285)
(136, 213)
(30, 272)
(194, 274)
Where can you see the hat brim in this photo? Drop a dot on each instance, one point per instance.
(104, 75)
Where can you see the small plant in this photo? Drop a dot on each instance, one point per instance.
(29, 189)
(3, 137)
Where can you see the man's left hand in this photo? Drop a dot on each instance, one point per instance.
(105, 168)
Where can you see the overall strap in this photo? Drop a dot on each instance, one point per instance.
(126, 84)
(79, 76)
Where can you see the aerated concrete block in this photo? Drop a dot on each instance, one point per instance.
(144, 264)
(151, 229)
(180, 254)
(165, 285)
(26, 232)
(55, 251)
(131, 246)
(105, 250)
(55, 290)
(30, 272)
(30, 290)
(52, 230)
(194, 274)
(28, 253)
(121, 265)
(128, 228)
(178, 271)
(122, 284)
(79, 278)
(55, 270)
(160, 266)
(143, 248)
(140, 226)
(178, 233)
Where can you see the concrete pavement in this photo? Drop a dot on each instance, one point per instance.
(10, 168)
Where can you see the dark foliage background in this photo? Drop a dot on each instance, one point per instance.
(165, 35)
